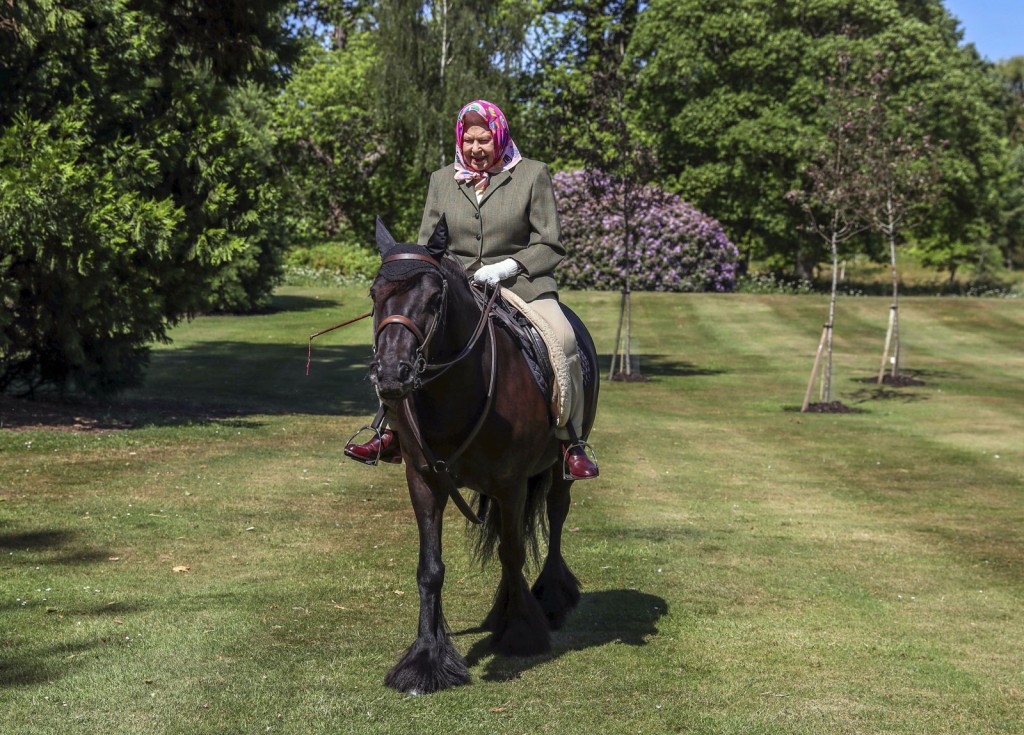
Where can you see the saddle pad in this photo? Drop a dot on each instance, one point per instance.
(563, 385)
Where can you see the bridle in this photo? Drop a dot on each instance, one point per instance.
(421, 363)
(427, 371)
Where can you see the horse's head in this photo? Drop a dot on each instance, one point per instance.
(409, 296)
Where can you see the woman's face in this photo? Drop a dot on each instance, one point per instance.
(478, 147)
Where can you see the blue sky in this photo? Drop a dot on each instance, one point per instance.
(995, 27)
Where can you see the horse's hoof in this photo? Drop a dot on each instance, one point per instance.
(558, 592)
(428, 666)
(522, 638)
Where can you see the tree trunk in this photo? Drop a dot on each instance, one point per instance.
(627, 351)
(623, 348)
(444, 64)
(885, 350)
(895, 293)
(826, 387)
(892, 334)
(618, 337)
(814, 370)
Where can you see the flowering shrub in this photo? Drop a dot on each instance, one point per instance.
(676, 248)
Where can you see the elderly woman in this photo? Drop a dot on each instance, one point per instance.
(500, 209)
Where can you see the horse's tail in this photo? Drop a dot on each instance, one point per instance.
(535, 527)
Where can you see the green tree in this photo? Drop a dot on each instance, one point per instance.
(127, 186)
(1010, 75)
(902, 171)
(1012, 208)
(730, 88)
(370, 110)
(244, 283)
(332, 143)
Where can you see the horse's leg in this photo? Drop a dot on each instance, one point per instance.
(432, 662)
(557, 588)
(519, 625)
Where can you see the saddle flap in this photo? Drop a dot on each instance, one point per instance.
(542, 351)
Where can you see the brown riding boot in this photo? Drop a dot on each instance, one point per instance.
(580, 466)
(379, 449)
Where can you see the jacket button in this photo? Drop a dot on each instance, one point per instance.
(478, 236)
(476, 215)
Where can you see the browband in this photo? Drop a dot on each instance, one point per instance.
(411, 256)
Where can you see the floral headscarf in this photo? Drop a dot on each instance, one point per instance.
(505, 152)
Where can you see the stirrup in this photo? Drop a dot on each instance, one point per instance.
(587, 450)
(380, 441)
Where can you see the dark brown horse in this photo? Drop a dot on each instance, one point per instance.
(469, 413)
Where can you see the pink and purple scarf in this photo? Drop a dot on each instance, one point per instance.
(505, 152)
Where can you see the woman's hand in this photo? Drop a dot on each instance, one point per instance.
(492, 274)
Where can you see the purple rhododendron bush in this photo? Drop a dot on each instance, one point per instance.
(676, 248)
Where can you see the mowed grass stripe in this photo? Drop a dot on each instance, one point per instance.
(961, 490)
(746, 568)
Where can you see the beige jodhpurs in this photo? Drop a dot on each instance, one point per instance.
(548, 309)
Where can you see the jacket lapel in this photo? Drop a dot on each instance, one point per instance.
(499, 179)
(469, 192)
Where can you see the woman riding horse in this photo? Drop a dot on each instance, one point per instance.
(501, 214)
(468, 408)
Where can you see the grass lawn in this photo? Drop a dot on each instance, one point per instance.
(197, 557)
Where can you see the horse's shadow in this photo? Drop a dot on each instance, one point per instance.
(607, 616)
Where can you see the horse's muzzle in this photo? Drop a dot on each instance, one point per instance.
(394, 382)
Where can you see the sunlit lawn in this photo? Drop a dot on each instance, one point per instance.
(198, 558)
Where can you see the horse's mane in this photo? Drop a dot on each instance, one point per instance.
(453, 266)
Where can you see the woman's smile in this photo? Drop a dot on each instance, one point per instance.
(478, 147)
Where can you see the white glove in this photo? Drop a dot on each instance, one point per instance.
(496, 272)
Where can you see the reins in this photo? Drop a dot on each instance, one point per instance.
(438, 369)
(440, 467)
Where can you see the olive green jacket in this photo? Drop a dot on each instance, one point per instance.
(515, 219)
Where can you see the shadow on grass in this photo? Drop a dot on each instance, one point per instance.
(34, 540)
(26, 665)
(658, 366)
(909, 393)
(905, 393)
(232, 381)
(216, 382)
(38, 664)
(602, 618)
(59, 547)
(925, 376)
(287, 302)
(884, 393)
(268, 378)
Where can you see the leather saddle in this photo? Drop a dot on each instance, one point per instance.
(526, 335)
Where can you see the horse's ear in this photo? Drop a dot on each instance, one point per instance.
(384, 239)
(437, 245)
